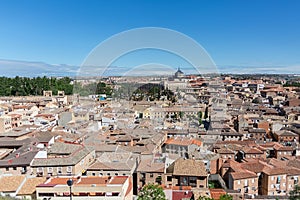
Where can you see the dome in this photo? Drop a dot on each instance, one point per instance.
(179, 73)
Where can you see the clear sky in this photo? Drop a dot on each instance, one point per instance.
(234, 33)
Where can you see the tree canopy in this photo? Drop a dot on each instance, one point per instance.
(295, 193)
(226, 197)
(152, 192)
(24, 86)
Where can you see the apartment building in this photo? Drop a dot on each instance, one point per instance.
(63, 159)
(100, 188)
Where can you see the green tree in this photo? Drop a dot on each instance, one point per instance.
(256, 101)
(226, 197)
(181, 114)
(199, 117)
(295, 193)
(152, 192)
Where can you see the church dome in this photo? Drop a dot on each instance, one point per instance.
(179, 73)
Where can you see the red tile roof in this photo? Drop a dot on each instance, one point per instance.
(118, 180)
(216, 193)
(183, 141)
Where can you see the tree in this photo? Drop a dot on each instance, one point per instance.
(256, 101)
(199, 114)
(199, 117)
(181, 114)
(226, 197)
(152, 192)
(295, 193)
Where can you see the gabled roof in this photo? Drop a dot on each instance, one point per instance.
(71, 159)
(225, 151)
(29, 186)
(151, 165)
(187, 167)
(253, 150)
(10, 183)
(286, 133)
(243, 175)
(183, 141)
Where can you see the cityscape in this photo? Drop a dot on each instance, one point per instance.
(141, 110)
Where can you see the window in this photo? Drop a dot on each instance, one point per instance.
(278, 179)
(69, 169)
(151, 175)
(40, 169)
(253, 180)
(59, 170)
(193, 181)
(93, 174)
(238, 182)
(169, 178)
(100, 174)
(116, 174)
(272, 178)
(50, 170)
(296, 180)
(14, 168)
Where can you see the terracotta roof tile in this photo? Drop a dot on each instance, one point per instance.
(118, 180)
(187, 167)
(10, 183)
(216, 193)
(243, 175)
(30, 184)
(183, 141)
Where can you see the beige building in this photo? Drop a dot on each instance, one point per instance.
(186, 172)
(5, 123)
(150, 170)
(63, 159)
(256, 177)
(279, 181)
(115, 188)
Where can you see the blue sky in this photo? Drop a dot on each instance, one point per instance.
(258, 33)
